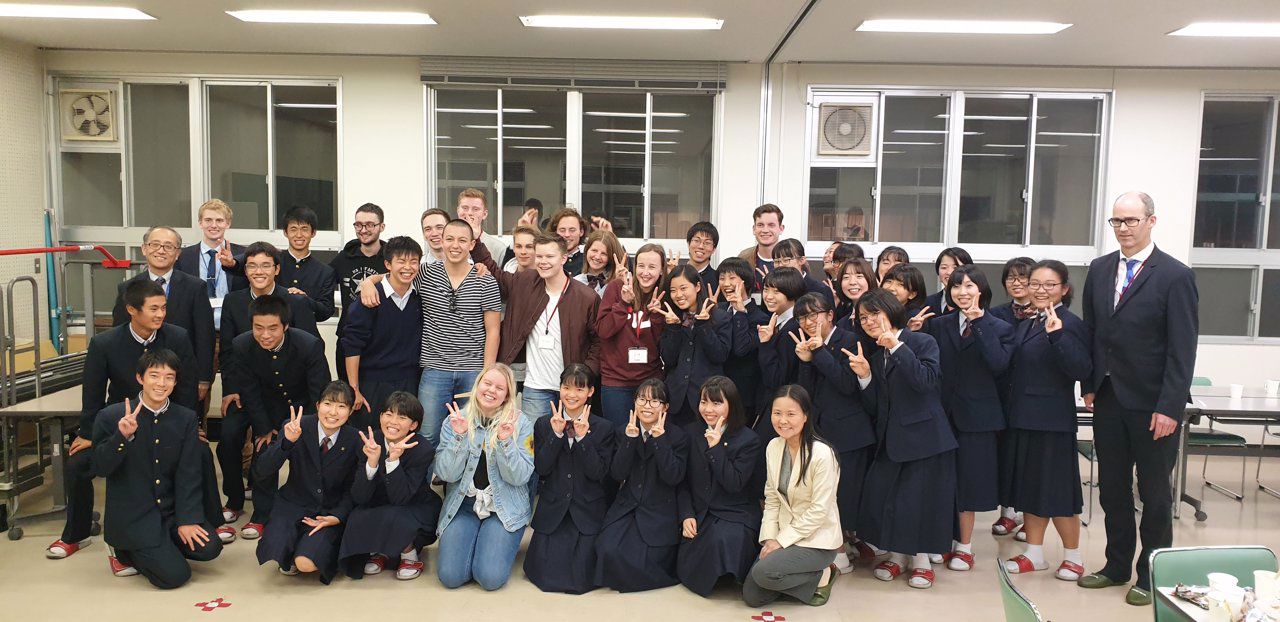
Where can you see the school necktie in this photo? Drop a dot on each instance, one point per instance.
(324, 445)
(569, 432)
(965, 329)
(211, 275)
(1023, 311)
(161, 282)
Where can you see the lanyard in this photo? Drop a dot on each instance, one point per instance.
(1126, 287)
(547, 327)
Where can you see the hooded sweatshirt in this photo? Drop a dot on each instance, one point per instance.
(351, 266)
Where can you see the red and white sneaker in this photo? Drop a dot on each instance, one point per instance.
(375, 565)
(229, 515)
(252, 531)
(119, 568)
(226, 533)
(63, 550)
(409, 570)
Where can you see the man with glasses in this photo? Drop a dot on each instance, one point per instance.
(360, 258)
(1141, 305)
(703, 238)
(187, 302)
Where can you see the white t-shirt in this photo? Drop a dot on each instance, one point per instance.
(542, 350)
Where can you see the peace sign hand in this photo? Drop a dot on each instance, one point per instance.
(1052, 323)
(714, 433)
(632, 430)
(557, 420)
(765, 331)
(293, 429)
(506, 429)
(655, 303)
(670, 314)
(529, 218)
(129, 422)
(601, 223)
(620, 268)
(582, 425)
(396, 449)
(372, 450)
(224, 255)
(916, 322)
(707, 306)
(733, 296)
(803, 350)
(973, 312)
(858, 363)
(673, 261)
(456, 420)
(887, 339)
(660, 427)
(762, 272)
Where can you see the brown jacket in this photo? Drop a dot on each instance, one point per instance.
(526, 298)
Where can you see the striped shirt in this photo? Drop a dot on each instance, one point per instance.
(453, 320)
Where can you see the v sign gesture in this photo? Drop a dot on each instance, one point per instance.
(707, 306)
(293, 429)
(714, 433)
(129, 422)
(557, 420)
(1052, 323)
(224, 255)
(372, 450)
(917, 321)
(765, 331)
(858, 363)
(456, 420)
(887, 339)
(633, 430)
(670, 314)
(660, 427)
(396, 449)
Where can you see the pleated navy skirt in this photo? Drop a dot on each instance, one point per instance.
(1043, 473)
(977, 471)
(909, 507)
(563, 560)
(286, 537)
(386, 530)
(626, 564)
(853, 475)
(721, 548)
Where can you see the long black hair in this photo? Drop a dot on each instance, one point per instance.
(721, 389)
(808, 433)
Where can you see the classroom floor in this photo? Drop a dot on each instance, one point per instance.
(40, 589)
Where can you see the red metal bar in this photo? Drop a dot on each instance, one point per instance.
(109, 262)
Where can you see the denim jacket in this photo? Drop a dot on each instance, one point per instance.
(510, 465)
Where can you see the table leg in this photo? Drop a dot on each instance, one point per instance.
(1183, 497)
(57, 449)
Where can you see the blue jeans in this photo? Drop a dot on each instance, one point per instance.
(536, 403)
(617, 403)
(436, 390)
(471, 548)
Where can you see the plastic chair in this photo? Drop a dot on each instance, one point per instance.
(1207, 438)
(1190, 565)
(1085, 448)
(1017, 608)
(1257, 476)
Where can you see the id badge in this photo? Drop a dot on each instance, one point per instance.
(638, 356)
(216, 303)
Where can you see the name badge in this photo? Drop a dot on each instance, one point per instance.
(638, 356)
(216, 303)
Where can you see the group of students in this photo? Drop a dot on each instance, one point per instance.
(674, 421)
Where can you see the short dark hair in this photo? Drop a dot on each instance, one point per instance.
(847, 251)
(812, 302)
(1018, 266)
(567, 212)
(788, 281)
(738, 266)
(577, 375)
(302, 215)
(912, 279)
(338, 391)
(435, 211)
(262, 248)
(271, 304)
(401, 246)
(722, 389)
(1063, 273)
(690, 274)
(790, 248)
(551, 238)
(896, 252)
(532, 203)
(458, 222)
(405, 404)
(861, 266)
(977, 276)
(159, 357)
(957, 254)
(705, 228)
(882, 301)
(767, 208)
(371, 208)
(655, 388)
(137, 292)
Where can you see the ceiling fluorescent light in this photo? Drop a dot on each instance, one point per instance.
(639, 142)
(1228, 29)
(1228, 159)
(454, 147)
(988, 155)
(1019, 146)
(909, 143)
(482, 110)
(320, 106)
(963, 27)
(527, 138)
(443, 137)
(641, 152)
(609, 130)
(933, 132)
(511, 126)
(620, 21)
(537, 147)
(393, 18)
(59, 11)
(638, 115)
(1088, 134)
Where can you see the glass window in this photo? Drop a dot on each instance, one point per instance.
(533, 152)
(1273, 226)
(91, 191)
(1226, 298)
(840, 205)
(1065, 184)
(613, 143)
(1269, 318)
(1233, 142)
(238, 152)
(912, 170)
(306, 152)
(467, 148)
(681, 163)
(159, 154)
(993, 170)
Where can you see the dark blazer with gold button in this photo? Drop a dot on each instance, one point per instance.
(575, 478)
(319, 484)
(153, 481)
(187, 306)
(311, 276)
(111, 370)
(236, 320)
(270, 382)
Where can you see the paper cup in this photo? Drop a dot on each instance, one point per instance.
(1237, 391)
(1273, 388)
(1221, 581)
(1266, 584)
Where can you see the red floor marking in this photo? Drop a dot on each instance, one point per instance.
(213, 605)
(767, 616)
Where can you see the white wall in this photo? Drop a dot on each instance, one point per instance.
(22, 174)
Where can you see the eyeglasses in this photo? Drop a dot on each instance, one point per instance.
(161, 246)
(868, 320)
(1128, 222)
(1017, 280)
(365, 226)
(812, 317)
(259, 267)
(1043, 286)
(701, 242)
(648, 401)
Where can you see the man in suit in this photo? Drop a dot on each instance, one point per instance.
(187, 304)
(1140, 304)
(273, 367)
(213, 260)
(147, 439)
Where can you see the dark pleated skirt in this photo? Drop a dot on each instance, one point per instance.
(977, 472)
(626, 564)
(563, 560)
(1043, 474)
(286, 537)
(386, 530)
(909, 507)
(721, 548)
(853, 475)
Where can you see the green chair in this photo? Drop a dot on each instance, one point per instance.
(1201, 381)
(1085, 448)
(1190, 565)
(1257, 477)
(1016, 606)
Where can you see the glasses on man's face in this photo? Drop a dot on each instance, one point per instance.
(365, 226)
(259, 267)
(1128, 222)
(702, 242)
(648, 401)
(1038, 286)
(161, 246)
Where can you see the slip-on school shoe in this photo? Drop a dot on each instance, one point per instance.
(823, 594)
(1138, 597)
(63, 550)
(251, 531)
(1098, 580)
(119, 568)
(226, 534)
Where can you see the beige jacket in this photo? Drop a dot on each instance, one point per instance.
(807, 516)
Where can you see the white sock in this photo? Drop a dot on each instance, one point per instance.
(920, 560)
(842, 560)
(1007, 512)
(1035, 553)
(900, 559)
(1073, 556)
(962, 548)
(411, 556)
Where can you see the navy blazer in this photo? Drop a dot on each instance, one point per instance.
(1147, 342)
(743, 363)
(270, 383)
(971, 369)
(408, 485)
(820, 287)
(649, 474)
(905, 392)
(840, 416)
(575, 478)
(935, 301)
(318, 484)
(189, 261)
(693, 355)
(1044, 371)
(725, 481)
(186, 306)
(236, 320)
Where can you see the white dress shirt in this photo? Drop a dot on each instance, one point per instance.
(1122, 268)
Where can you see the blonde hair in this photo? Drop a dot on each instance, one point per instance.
(611, 246)
(507, 411)
(215, 205)
(473, 193)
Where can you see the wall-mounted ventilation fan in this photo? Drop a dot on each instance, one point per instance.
(845, 129)
(87, 114)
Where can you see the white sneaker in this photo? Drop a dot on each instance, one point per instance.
(843, 564)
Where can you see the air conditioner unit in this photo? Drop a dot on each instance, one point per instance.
(87, 114)
(845, 130)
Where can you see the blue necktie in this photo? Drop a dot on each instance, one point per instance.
(211, 275)
(1129, 264)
